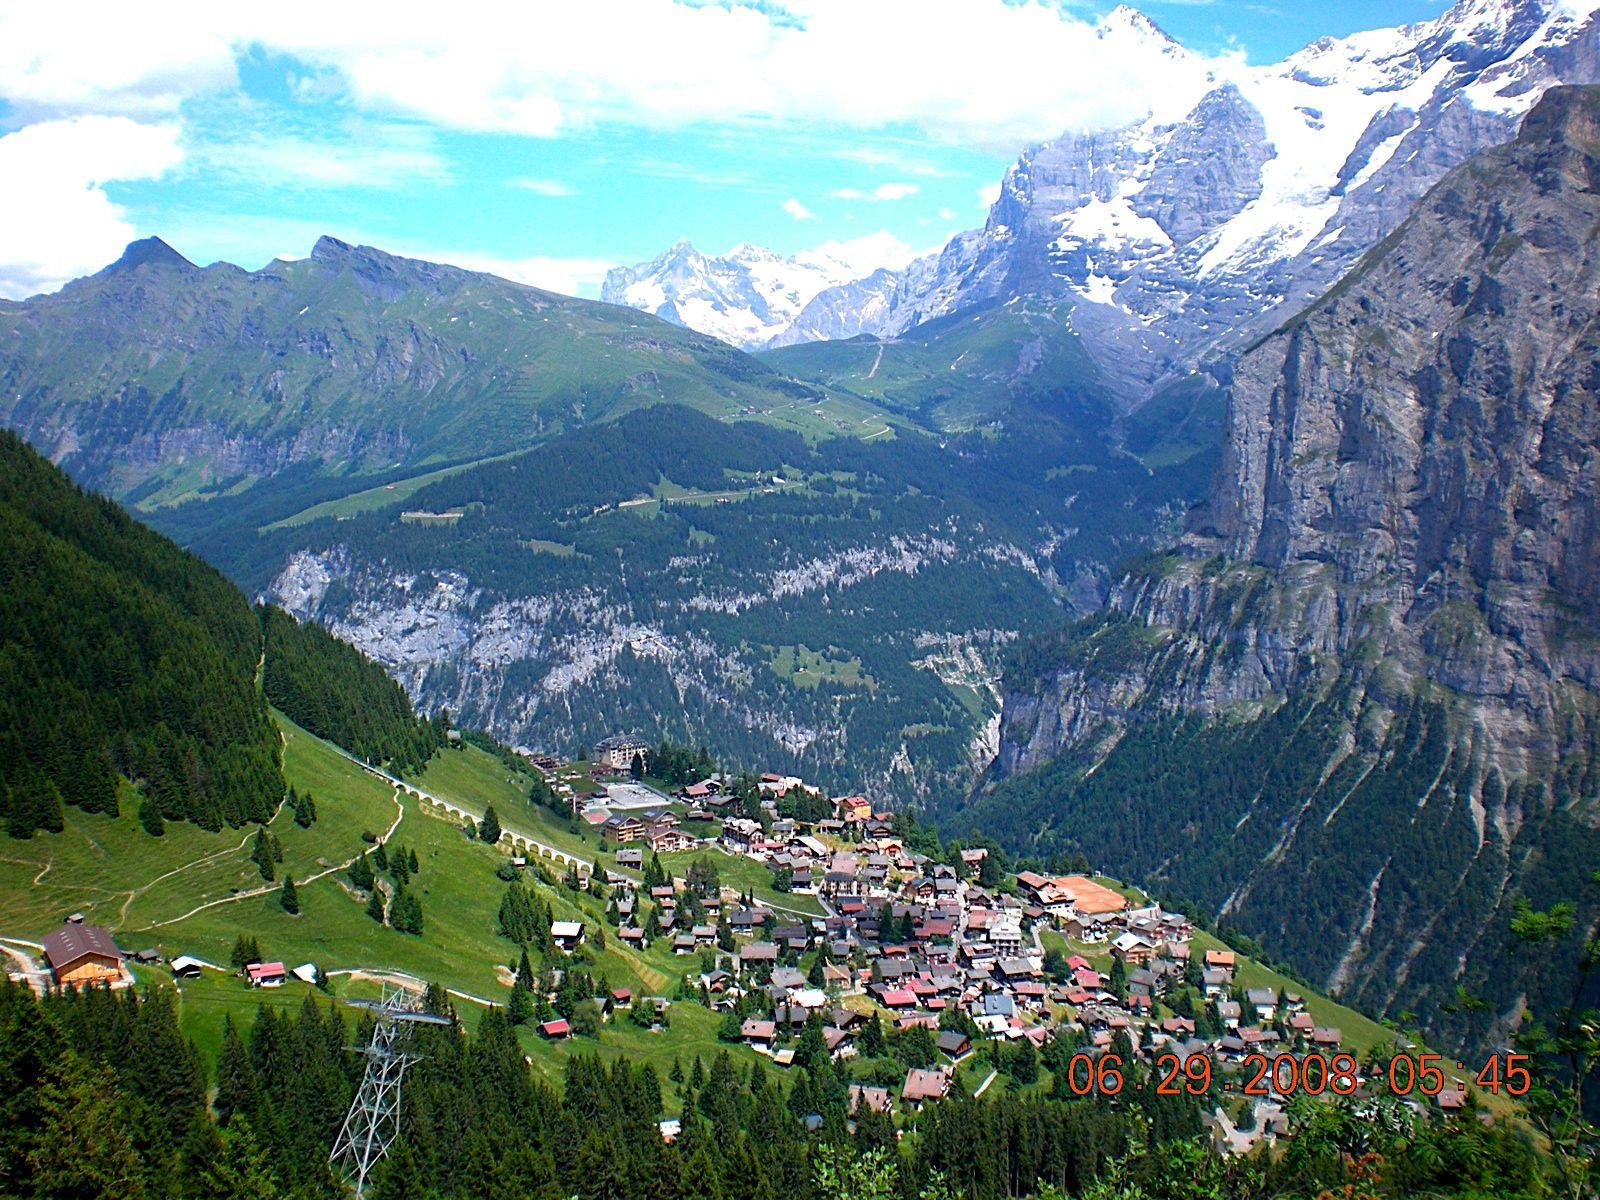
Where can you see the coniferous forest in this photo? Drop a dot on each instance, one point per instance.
(127, 658)
(338, 693)
(106, 1098)
(123, 656)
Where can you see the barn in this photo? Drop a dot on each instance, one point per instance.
(83, 955)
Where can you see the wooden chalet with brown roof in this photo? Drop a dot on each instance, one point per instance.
(83, 955)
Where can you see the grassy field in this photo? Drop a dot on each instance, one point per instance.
(807, 668)
(372, 499)
(114, 872)
(476, 779)
(744, 874)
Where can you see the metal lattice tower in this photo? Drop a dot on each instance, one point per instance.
(373, 1122)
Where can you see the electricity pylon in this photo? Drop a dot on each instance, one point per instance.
(373, 1122)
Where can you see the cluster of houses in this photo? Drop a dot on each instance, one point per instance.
(917, 942)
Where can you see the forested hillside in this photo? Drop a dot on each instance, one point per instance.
(340, 694)
(123, 656)
(111, 1100)
(837, 608)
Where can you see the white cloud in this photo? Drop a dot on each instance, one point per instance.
(569, 276)
(112, 57)
(883, 192)
(873, 157)
(947, 214)
(545, 187)
(985, 72)
(988, 194)
(862, 255)
(56, 221)
(371, 159)
(797, 210)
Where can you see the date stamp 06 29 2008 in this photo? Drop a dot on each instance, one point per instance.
(1298, 1074)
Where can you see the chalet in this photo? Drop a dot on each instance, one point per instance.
(1005, 935)
(663, 838)
(796, 937)
(759, 1035)
(853, 810)
(567, 934)
(266, 975)
(632, 856)
(623, 830)
(747, 920)
(922, 1086)
(1132, 948)
(954, 1043)
(555, 1030)
(872, 1099)
(756, 953)
(185, 967)
(621, 998)
(1263, 1002)
(788, 978)
(306, 973)
(82, 955)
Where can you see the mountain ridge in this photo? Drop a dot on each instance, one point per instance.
(1374, 661)
(1180, 237)
(161, 381)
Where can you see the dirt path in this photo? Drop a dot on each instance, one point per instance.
(400, 812)
(31, 970)
(203, 860)
(876, 362)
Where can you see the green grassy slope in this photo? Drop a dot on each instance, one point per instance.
(958, 372)
(352, 359)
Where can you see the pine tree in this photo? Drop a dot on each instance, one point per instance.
(261, 854)
(521, 1006)
(489, 828)
(375, 906)
(84, 1148)
(288, 897)
(360, 874)
(150, 818)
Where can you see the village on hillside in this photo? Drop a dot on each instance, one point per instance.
(856, 937)
(961, 949)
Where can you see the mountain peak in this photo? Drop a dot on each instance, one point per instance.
(1125, 18)
(331, 250)
(150, 251)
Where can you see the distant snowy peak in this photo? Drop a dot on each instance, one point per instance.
(1253, 187)
(1244, 192)
(749, 296)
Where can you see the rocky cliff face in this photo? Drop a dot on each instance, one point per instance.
(1399, 552)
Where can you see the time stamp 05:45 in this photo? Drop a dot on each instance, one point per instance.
(1285, 1074)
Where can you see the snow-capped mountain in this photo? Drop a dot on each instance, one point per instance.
(755, 298)
(1248, 192)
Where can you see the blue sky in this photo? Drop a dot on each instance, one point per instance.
(548, 141)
